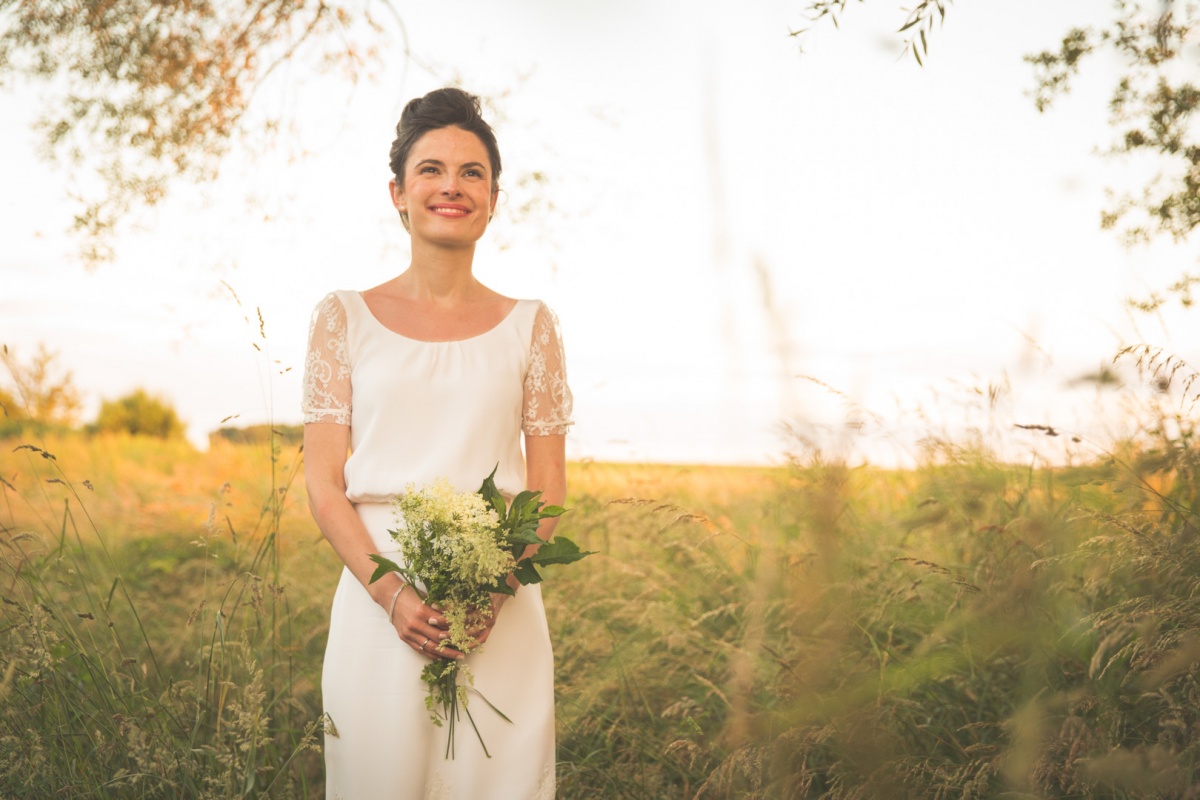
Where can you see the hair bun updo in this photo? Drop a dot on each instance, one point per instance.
(442, 108)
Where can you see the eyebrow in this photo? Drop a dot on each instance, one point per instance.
(438, 163)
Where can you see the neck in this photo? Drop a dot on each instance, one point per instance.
(437, 273)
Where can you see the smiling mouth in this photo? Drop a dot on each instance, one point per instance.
(449, 211)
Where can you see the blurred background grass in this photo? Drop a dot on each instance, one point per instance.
(967, 628)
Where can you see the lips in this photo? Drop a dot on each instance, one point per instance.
(448, 210)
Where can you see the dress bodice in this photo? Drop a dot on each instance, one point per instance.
(420, 410)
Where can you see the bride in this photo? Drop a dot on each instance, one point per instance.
(432, 375)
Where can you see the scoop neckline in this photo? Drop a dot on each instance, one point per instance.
(358, 294)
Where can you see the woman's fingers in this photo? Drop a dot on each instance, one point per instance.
(423, 629)
(428, 647)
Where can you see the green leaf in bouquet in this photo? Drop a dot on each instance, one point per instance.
(503, 716)
(501, 587)
(523, 523)
(526, 502)
(518, 539)
(385, 566)
(559, 550)
(526, 572)
(524, 536)
(492, 495)
(552, 511)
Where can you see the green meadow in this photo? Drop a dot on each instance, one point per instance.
(963, 629)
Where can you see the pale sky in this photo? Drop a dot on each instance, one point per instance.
(922, 232)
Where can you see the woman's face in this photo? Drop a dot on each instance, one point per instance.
(447, 188)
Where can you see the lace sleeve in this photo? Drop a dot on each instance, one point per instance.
(326, 389)
(548, 402)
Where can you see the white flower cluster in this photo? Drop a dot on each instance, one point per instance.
(459, 528)
(452, 541)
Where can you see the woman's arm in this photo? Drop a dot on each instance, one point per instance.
(325, 449)
(545, 417)
(546, 469)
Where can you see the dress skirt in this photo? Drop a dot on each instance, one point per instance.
(380, 743)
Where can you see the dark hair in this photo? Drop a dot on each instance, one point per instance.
(442, 108)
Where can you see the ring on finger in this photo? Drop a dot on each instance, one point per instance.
(424, 643)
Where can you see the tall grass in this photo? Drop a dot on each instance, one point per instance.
(968, 628)
(965, 629)
(145, 661)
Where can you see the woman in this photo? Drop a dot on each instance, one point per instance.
(432, 374)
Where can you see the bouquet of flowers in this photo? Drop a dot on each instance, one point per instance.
(462, 546)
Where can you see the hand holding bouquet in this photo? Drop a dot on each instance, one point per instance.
(462, 547)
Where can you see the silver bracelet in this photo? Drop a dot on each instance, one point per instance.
(395, 597)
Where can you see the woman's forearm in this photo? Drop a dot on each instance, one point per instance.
(343, 529)
(324, 463)
(546, 471)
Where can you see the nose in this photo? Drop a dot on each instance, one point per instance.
(450, 186)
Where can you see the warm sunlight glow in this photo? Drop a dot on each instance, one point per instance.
(741, 240)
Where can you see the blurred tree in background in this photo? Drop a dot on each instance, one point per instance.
(144, 91)
(36, 393)
(1152, 105)
(139, 414)
(285, 435)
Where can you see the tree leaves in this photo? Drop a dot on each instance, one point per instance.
(920, 21)
(37, 391)
(1152, 111)
(1054, 71)
(1153, 104)
(144, 91)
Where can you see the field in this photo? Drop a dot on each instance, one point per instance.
(963, 629)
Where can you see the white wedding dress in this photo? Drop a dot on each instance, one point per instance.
(418, 411)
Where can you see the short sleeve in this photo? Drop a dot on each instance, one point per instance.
(326, 389)
(548, 403)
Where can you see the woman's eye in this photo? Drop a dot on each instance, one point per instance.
(428, 170)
